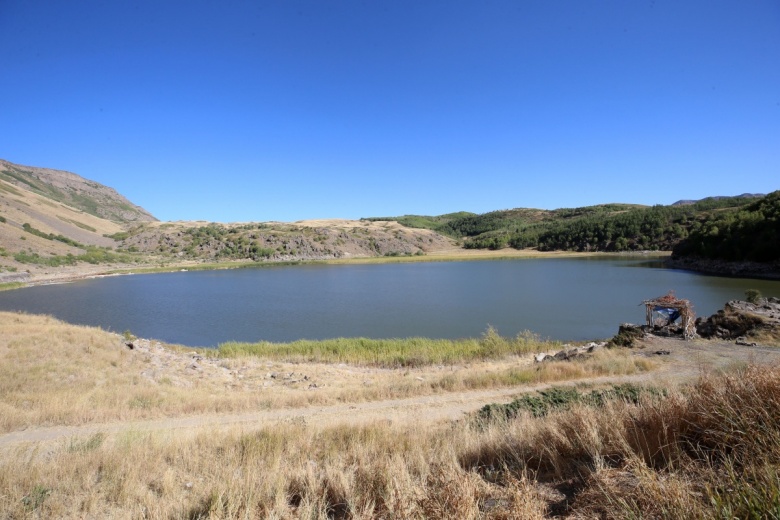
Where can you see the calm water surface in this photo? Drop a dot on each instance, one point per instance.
(566, 299)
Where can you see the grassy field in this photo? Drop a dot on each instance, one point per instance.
(709, 451)
(53, 373)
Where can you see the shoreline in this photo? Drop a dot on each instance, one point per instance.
(77, 273)
(727, 269)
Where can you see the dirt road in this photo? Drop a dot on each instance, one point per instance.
(680, 361)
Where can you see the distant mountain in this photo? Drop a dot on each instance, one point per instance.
(688, 202)
(74, 191)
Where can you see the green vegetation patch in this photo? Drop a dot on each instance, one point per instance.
(93, 255)
(8, 189)
(404, 352)
(78, 224)
(561, 398)
(604, 227)
(750, 234)
(124, 235)
(27, 257)
(9, 286)
(51, 236)
(439, 223)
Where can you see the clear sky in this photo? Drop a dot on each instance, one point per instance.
(287, 110)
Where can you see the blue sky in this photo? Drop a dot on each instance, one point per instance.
(288, 110)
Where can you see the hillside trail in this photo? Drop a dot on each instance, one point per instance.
(680, 362)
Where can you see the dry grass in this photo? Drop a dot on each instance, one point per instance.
(52, 373)
(711, 451)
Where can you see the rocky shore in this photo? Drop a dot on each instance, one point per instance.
(768, 271)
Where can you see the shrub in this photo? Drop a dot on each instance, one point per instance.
(559, 398)
(753, 295)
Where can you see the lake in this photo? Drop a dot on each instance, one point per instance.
(568, 299)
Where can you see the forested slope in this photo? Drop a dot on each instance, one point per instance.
(750, 234)
(606, 227)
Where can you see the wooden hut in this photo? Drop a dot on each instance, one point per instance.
(665, 310)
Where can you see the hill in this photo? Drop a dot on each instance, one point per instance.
(55, 224)
(604, 227)
(687, 202)
(75, 191)
(743, 242)
(56, 219)
(750, 234)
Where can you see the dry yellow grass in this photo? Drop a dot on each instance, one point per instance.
(53, 373)
(712, 451)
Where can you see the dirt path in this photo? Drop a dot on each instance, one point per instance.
(680, 361)
(423, 409)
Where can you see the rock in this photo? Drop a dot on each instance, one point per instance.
(130, 345)
(538, 358)
(594, 347)
(662, 352)
(627, 334)
(495, 503)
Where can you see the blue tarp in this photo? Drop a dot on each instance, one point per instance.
(672, 314)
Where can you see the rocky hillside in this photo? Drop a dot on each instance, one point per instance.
(55, 225)
(278, 241)
(74, 191)
(52, 220)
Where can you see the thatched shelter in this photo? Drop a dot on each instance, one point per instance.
(665, 310)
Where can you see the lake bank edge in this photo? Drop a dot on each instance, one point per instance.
(23, 280)
(725, 268)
